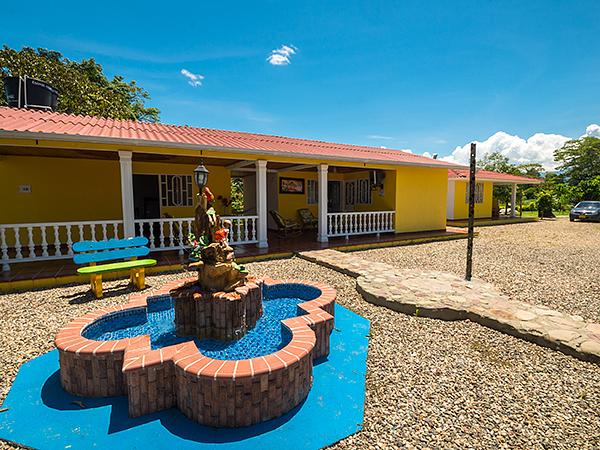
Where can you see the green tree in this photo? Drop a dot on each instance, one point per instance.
(496, 162)
(83, 86)
(545, 204)
(579, 160)
(589, 189)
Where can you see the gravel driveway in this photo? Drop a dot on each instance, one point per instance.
(430, 384)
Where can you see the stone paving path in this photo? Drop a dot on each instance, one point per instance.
(448, 297)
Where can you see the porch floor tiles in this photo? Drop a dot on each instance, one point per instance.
(171, 260)
(333, 410)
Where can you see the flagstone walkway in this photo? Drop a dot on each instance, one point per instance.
(448, 297)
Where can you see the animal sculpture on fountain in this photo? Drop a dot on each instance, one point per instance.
(211, 254)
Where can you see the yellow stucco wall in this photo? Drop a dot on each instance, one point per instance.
(289, 204)
(461, 207)
(68, 189)
(62, 189)
(420, 199)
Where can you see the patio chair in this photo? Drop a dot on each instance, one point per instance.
(309, 222)
(285, 227)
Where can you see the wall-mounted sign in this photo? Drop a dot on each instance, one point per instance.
(25, 189)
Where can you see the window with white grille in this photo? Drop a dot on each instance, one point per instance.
(176, 190)
(358, 192)
(478, 193)
(312, 192)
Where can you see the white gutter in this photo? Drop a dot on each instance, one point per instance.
(496, 181)
(146, 143)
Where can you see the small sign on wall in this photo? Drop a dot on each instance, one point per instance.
(25, 189)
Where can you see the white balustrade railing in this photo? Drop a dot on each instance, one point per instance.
(172, 233)
(24, 242)
(353, 223)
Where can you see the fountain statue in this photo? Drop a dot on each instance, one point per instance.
(211, 254)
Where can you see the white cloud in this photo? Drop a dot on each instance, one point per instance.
(282, 56)
(539, 148)
(592, 130)
(380, 137)
(194, 79)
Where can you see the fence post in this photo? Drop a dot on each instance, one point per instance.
(471, 212)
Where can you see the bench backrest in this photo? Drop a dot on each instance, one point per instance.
(111, 249)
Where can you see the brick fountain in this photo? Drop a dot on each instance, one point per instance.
(222, 303)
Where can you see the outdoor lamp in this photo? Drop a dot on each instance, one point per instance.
(201, 176)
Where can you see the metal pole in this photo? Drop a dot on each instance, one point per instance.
(471, 213)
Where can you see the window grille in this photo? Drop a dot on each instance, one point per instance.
(478, 193)
(176, 190)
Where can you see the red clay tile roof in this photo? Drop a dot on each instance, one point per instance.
(22, 123)
(489, 175)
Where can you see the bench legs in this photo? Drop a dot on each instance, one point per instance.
(96, 285)
(138, 277)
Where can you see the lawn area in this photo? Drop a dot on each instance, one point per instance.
(430, 383)
(535, 213)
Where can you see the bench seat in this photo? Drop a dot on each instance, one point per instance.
(114, 250)
(113, 267)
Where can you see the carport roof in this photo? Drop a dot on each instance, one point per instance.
(488, 175)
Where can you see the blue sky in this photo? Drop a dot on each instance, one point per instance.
(428, 76)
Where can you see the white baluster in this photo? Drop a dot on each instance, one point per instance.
(171, 234)
(151, 225)
(116, 230)
(80, 227)
(254, 225)
(57, 251)
(18, 254)
(238, 237)
(104, 237)
(4, 248)
(246, 229)
(44, 242)
(162, 234)
(69, 241)
(31, 243)
(93, 231)
(180, 226)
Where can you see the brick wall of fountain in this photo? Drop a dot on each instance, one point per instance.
(222, 393)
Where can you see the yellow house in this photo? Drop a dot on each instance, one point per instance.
(64, 178)
(457, 207)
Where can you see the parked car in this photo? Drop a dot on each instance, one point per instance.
(585, 211)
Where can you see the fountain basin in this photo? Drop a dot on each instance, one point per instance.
(211, 386)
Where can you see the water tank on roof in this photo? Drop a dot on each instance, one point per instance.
(27, 92)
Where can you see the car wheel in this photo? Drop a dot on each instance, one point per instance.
(571, 219)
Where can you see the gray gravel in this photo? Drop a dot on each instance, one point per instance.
(553, 262)
(430, 384)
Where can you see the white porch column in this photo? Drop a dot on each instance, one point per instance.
(322, 231)
(513, 200)
(127, 193)
(261, 202)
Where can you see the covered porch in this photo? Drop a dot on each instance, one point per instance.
(103, 194)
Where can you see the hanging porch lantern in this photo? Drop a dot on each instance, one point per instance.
(201, 177)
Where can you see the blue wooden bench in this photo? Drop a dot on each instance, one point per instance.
(93, 252)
